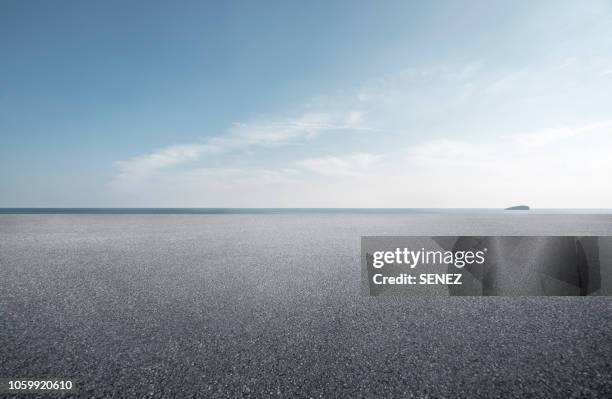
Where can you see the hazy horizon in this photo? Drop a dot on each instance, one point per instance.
(304, 211)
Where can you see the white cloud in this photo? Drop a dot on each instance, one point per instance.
(445, 152)
(570, 172)
(277, 132)
(507, 82)
(547, 136)
(340, 166)
(163, 158)
(262, 133)
(455, 135)
(355, 119)
(283, 131)
(569, 61)
(396, 88)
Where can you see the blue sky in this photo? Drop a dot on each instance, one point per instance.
(300, 104)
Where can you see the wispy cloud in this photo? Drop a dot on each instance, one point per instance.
(569, 61)
(449, 153)
(454, 135)
(284, 131)
(163, 158)
(432, 173)
(400, 86)
(547, 136)
(260, 133)
(340, 166)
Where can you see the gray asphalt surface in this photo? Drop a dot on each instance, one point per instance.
(270, 305)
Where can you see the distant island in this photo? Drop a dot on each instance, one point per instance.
(518, 208)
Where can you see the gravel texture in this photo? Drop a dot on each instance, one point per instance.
(270, 305)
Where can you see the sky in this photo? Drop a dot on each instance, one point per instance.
(398, 104)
